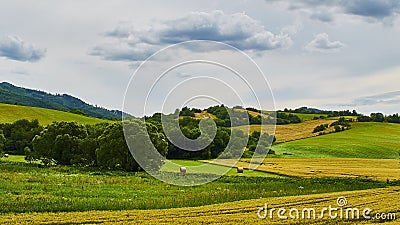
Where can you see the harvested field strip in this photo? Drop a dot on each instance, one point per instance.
(379, 169)
(381, 200)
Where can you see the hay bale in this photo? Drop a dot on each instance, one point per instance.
(6, 155)
(239, 169)
(182, 169)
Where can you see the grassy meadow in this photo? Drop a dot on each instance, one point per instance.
(12, 113)
(379, 200)
(30, 188)
(363, 140)
(214, 169)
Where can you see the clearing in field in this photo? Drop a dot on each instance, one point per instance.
(306, 116)
(194, 167)
(376, 169)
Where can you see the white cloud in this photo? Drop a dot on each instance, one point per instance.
(13, 47)
(321, 43)
(237, 29)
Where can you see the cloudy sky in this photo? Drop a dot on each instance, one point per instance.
(332, 54)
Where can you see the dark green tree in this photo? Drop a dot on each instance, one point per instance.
(2, 142)
(58, 142)
(377, 117)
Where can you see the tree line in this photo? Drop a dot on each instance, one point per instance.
(103, 145)
(379, 117)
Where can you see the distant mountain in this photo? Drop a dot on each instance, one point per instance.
(11, 94)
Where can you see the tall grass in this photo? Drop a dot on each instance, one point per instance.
(29, 188)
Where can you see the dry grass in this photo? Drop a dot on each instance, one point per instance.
(255, 114)
(204, 114)
(381, 200)
(283, 133)
(379, 169)
(291, 132)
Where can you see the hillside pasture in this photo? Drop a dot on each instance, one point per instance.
(291, 132)
(363, 140)
(12, 113)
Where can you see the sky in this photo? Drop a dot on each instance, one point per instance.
(331, 55)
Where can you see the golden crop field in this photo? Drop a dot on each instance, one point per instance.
(380, 200)
(291, 132)
(379, 169)
(204, 114)
(255, 114)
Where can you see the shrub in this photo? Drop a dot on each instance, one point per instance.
(320, 128)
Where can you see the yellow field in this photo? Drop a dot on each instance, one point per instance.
(379, 169)
(283, 133)
(381, 200)
(255, 114)
(204, 114)
(291, 132)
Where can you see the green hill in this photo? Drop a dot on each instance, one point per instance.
(11, 94)
(11, 113)
(364, 140)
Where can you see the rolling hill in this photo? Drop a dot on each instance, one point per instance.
(11, 94)
(12, 113)
(363, 140)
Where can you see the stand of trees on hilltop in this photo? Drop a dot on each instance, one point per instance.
(305, 110)
(379, 117)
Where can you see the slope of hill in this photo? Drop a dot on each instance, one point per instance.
(11, 94)
(11, 113)
(291, 132)
(364, 140)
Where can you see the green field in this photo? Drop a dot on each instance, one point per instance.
(30, 188)
(379, 200)
(12, 113)
(306, 116)
(363, 140)
(213, 169)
